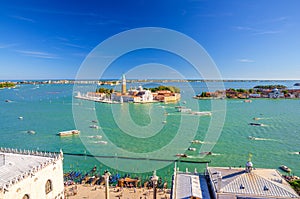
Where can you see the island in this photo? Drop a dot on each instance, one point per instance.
(135, 95)
(260, 91)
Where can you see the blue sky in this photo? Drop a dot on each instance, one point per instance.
(249, 39)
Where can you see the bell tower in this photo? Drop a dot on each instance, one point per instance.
(123, 85)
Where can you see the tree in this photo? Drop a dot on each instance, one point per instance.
(7, 84)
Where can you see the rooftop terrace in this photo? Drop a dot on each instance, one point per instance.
(16, 165)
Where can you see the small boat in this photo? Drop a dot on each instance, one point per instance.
(202, 113)
(177, 107)
(192, 149)
(197, 142)
(68, 133)
(256, 118)
(94, 121)
(164, 122)
(247, 100)
(31, 132)
(20, 118)
(255, 124)
(184, 110)
(251, 137)
(285, 168)
(182, 155)
(8, 101)
(95, 136)
(94, 126)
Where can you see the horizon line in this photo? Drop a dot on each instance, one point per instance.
(115, 79)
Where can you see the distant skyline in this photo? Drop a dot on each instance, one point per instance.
(249, 39)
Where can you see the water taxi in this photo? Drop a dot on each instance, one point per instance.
(285, 168)
(182, 155)
(256, 118)
(192, 149)
(94, 126)
(255, 124)
(202, 113)
(251, 137)
(31, 132)
(68, 133)
(197, 142)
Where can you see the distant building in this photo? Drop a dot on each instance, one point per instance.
(166, 96)
(118, 97)
(254, 95)
(31, 175)
(96, 95)
(275, 93)
(248, 183)
(139, 95)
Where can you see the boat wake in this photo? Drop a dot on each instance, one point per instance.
(261, 118)
(295, 153)
(200, 155)
(95, 136)
(216, 154)
(260, 139)
(100, 142)
(257, 124)
(264, 139)
(197, 142)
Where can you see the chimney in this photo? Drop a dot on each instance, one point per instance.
(219, 182)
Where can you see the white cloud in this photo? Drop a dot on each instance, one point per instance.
(23, 18)
(245, 60)
(37, 54)
(72, 45)
(244, 28)
(7, 45)
(267, 32)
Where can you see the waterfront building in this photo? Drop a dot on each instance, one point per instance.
(275, 93)
(231, 183)
(119, 97)
(143, 95)
(254, 95)
(189, 185)
(166, 96)
(248, 182)
(31, 174)
(293, 93)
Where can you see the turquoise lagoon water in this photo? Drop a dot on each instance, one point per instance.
(47, 109)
